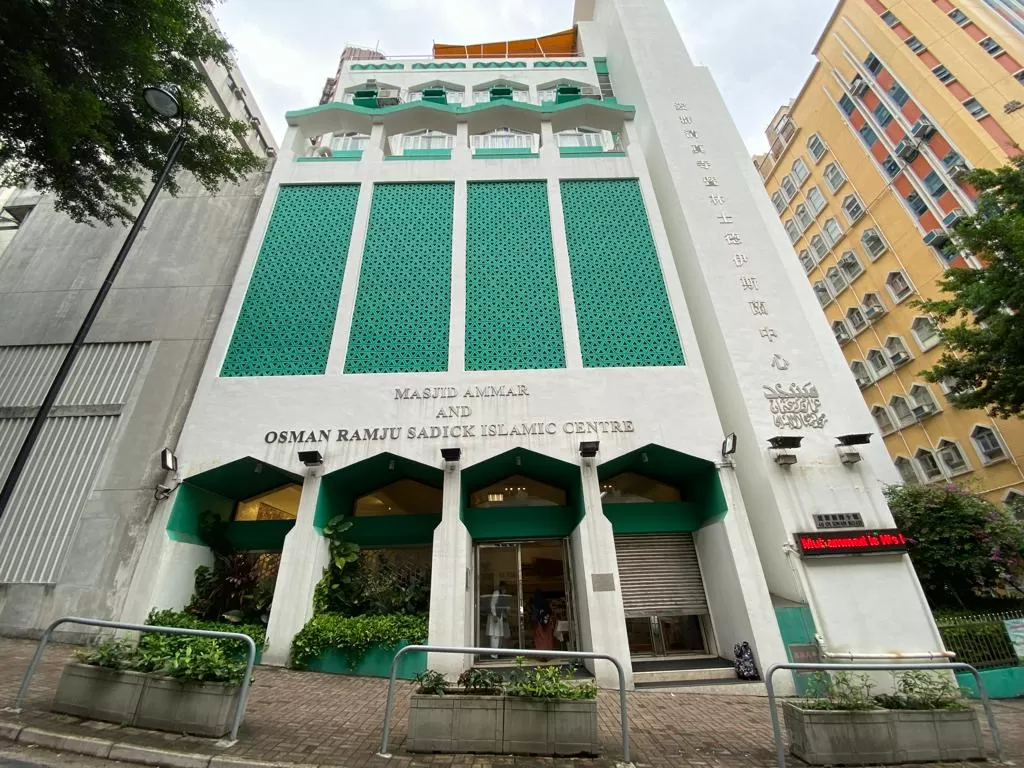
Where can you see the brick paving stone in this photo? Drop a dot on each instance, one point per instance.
(335, 721)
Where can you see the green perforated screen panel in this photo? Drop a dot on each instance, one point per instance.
(512, 319)
(400, 322)
(287, 318)
(622, 309)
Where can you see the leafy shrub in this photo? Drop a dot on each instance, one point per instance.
(548, 683)
(201, 659)
(239, 588)
(183, 620)
(918, 689)
(110, 654)
(481, 681)
(839, 691)
(432, 683)
(354, 635)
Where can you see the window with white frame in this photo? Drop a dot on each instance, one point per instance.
(928, 465)
(925, 332)
(882, 419)
(990, 46)
(974, 106)
(347, 142)
(879, 363)
(816, 147)
(803, 218)
(897, 351)
(504, 138)
(873, 306)
(855, 319)
(860, 373)
(800, 172)
(451, 95)
(806, 260)
(953, 458)
(834, 177)
(873, 243)
(788, 187)
(908, 474)
(853, 208)
(821, 291)
(923, 401)
(815, 200)
(898, 285)
(779, 202)
(580, 137)
(987, 444)
(819, 247)
(841, 332)
(901, 410)
(792, 230)
(833, 232)
(851, 266)
(427, 140)
(835, 280)
(483, 95)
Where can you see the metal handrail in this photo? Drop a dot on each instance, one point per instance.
(780, 747)
(469, 651)
(243, 693)
(851, 655)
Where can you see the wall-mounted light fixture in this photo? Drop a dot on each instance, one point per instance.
(589, 448)
(311, 458)
(168, 461)
(729, 445)
(784, 445)
(847, 453)
(451, 456)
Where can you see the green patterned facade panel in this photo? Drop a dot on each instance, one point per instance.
(512, 317)
(287, 318)
(400, 321)
(622, 308)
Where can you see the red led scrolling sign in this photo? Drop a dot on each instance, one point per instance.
(821, 543)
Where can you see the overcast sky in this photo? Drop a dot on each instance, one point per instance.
(757, 50)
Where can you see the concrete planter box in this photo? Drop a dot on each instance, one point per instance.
(503, 725)
(203, 709)
(455, 723)
(883, 736)
(145, 701)
(98, 693)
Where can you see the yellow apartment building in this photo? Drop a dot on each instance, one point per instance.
(866, 172)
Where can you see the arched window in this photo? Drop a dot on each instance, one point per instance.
(803, 218)
(834, 177)
(853, 208)
(279, 504)
(800, 172)
(633, 488)
(898, 285)
(788, 187)
(518, 491)
(841, 332)
(925, 332)
(851, 266)
(928, 465)
(904, 414)
(987, 444)
(821, 291)
(953, 458)
(873, 243)
(791, 230)
(835, 280)
(882, 419)
(897, 351)
(855, 318)
(906, 469)
(819, 247)
(873, 306)
(923, 401)
(779, 202)
(816, 147)
(832, 231)
(806, 260)
(402, 497)
(860, 373)
(879, 363)
(815, 200)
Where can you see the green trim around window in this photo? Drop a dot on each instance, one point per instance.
(504, 152)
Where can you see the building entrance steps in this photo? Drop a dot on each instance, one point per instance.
(661, 671)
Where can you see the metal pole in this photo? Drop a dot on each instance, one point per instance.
(18, 467)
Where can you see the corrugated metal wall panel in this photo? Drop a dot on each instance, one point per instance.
(659, 575)
(44, 512)
(102, 374)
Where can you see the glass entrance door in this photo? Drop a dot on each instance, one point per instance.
(665, 635)
(523, 596)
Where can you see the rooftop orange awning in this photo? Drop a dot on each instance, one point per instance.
(558, 44)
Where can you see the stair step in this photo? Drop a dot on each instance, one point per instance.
(689, 674)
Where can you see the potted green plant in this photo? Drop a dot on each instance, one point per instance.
(923, 719)
(547, 712)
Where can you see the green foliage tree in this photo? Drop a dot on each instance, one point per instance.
(979, 314)
(73, 121)
(965, 549)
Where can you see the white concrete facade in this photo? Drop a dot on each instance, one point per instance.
(866, 604)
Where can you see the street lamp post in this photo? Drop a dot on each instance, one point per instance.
(163, 101)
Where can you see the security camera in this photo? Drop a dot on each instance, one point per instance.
(162, 492)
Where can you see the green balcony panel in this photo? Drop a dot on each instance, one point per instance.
(566, 93)
(287, 318)
(501, 94)
(435, 95)
(622, 309)
(400, 322)
(512, 316)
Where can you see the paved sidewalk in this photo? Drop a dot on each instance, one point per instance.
(328, 720)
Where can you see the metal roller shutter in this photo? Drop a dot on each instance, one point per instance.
(660, 575)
